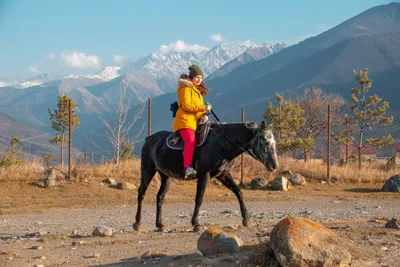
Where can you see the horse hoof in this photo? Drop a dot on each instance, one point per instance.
(247, 224)
(137, 227)
(161, 229)
(197, 228)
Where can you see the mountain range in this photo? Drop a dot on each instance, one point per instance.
(369, 40)
(239, 76)
(28, 100)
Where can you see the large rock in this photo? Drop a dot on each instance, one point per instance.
(258, 183)
(392, 185)
(215, 241)
(298, 179)
(280, 183)
(300, 242)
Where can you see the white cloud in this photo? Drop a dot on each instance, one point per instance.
(34, 69)
(217, 37)
(180, 46)
(118, 59)
(80, 60)
(50, 55)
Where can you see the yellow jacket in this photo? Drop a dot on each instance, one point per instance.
(191, 106)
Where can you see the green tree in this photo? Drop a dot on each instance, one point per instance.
(60, 122)
(12, 158)
(288, 119)
(126, 150)
(47, 160)
(367, 110)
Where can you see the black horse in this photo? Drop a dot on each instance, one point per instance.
(214, 158)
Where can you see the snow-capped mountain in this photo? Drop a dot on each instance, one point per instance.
(172, 63)
(3, 84)
(106, 74)
(34, 81)
(253, 53)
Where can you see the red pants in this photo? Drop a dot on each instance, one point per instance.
(189, 139)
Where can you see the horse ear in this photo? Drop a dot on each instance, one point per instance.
(265, 127)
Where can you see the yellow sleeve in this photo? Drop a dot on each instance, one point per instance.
(187, 102)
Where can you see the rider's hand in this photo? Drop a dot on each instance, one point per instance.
(208, 107)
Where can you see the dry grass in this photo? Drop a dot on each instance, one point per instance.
(314, 171)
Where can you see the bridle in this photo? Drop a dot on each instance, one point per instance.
(260, 157)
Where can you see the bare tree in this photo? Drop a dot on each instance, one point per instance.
(118, 130)
(315, 101)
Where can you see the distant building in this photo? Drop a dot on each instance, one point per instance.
(367, 151)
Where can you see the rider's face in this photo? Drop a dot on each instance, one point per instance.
(197, 80)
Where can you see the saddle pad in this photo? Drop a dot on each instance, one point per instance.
(175, 141)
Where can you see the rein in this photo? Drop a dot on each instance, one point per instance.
(248, 151)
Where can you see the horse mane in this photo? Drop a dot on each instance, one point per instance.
(251, 125)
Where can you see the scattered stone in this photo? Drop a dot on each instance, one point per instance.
(75, 232)
(149, 255)
(259, 183)
(37, 247)
(393, 223)
(217, 182)
(40, 257)
(298, 179)
(299, 241)
(44, 183)
(334, 180)
(110, 181)
(96, 255)
(125, 186)
(228, 211)
(102, 231)
(39, 265)
(41, 233)
(280, 183)
(287, 173)
(79, 242)
(215, 241)
(392, 185)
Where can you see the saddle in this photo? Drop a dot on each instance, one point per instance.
(175, 141)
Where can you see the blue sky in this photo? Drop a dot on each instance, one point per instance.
(62, 37)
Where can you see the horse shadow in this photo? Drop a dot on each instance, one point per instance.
(249, 255)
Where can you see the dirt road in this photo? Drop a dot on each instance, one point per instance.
(359, 222)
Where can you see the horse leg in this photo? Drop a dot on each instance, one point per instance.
(202, 181)
(227, 180)
(165, 183)
(148, 170)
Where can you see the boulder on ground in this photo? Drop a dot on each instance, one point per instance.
(215, 241)
(299, 241)
(392, 185)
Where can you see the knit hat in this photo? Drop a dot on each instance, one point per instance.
(195, 70)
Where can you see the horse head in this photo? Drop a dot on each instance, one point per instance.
(263, 147)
